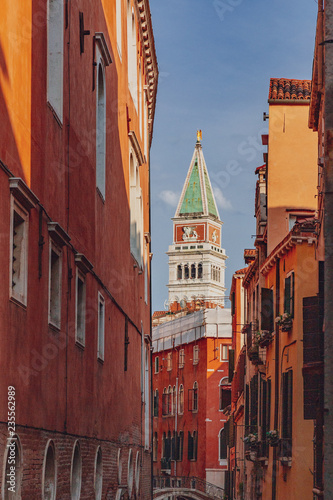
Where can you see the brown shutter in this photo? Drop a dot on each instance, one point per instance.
(231, 364)
(267, 312)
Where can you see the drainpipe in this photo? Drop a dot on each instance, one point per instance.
(276, 370)
(176, 425)
(328, 235)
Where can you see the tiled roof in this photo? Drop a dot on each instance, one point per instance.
(282, 88)
(260, 168)
(158, 314)
(241, 271)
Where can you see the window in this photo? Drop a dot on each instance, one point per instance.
(55, 55)
(193, 398)
(224, 352)
(101, 323)
(19, 253)
(181, 400)
(193, 271)
(155, 408)
(181, 358)
(267, 311)
(155, 446)
(180, 446)
(225, 394)
(13, 457)
(165, 402)
(195, 354)
(76, 472)
(136, 211)
(170, 400)
(49, 473)
(192, 445)
(186, 272)
(200, 271)
(100, 128)
(55, 268)
(289, 285)
(80, 307)
(287, 413)
(174, 401)
(130, 473)
(157, 364)
(169, 361)
(132, 54)
(222, 445)
(98, 474)
(118, 27)
(179, 272)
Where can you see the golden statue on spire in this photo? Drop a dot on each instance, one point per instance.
(199, 135)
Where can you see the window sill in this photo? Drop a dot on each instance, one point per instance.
(55, 114)
(18, 302)
(100, 195)
(54, 327)
(79, 344)
(100, 360)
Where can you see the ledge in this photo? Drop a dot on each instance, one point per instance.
(83, 263)
(136, 146)
(22, 193)
(103, 47)
(58, 234)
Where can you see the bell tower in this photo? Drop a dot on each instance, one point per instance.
(196, 258)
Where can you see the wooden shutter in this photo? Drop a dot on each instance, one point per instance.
(267, 312)
(254, 403)
(231, 364)
(247, 409)
(287, 295)
(190, 446)
(312, 336)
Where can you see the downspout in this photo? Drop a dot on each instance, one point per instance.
(328, 236)
(151, 332)
(276, 369)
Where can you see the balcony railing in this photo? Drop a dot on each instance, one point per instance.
(188, 483)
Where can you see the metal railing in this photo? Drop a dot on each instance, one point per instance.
(188, 483)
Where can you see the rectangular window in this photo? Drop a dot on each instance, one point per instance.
(224, 352)
(289, 284)
(101, 327)
(192, 450)
(169, 361)
(225, 396)
(55, 269)
(155, 403)
(157, 364)
(80, 307)
(118, 27)
(181, 358)
(267, 311)
(55, 58)
(180, 445)
(287, 416)
(19, 254)
(165, 404)
(195, 354)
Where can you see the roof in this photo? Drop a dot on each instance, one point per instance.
(257, 170)
(241, 271)
(197, 197)
(285, 89)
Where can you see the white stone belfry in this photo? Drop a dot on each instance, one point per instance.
(196, 258)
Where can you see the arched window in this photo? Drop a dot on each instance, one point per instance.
(13, 456)
(200, 271)
(164, 445)
(193, 271)
(195, 397)
(181, 400)
(155, 447)
(100, 129)
(170, 398)
(155, 412)
(165, 403)
(136, 211)
(130, 473)
(186, 272)
(225, 393)
(179, 272)
(118, 27)
(174, 400)
(132, 54)
(76, 472)
(98, 474)
(49, 473)
(222, 445)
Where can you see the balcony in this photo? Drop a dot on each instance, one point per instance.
(285, 451)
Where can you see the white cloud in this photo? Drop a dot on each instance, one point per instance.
(221, 200)
(169, 197)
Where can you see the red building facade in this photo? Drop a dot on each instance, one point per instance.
(77, 99)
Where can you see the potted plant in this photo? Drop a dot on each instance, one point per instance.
(251, 440)
(285, 321)
(264, 338)
(273, 437)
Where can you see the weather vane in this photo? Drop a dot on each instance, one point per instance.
(199, 135)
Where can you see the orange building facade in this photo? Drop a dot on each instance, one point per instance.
(275, 392)
(78, 90)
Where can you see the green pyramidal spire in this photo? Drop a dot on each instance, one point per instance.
(197, 197)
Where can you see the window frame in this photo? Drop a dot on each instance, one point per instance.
(100, 331)
(80, 339)
(195, 354)
(53, 248)
(181, 363)
(21, 296)
(156, 364)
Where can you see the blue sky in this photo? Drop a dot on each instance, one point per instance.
(215, 59)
